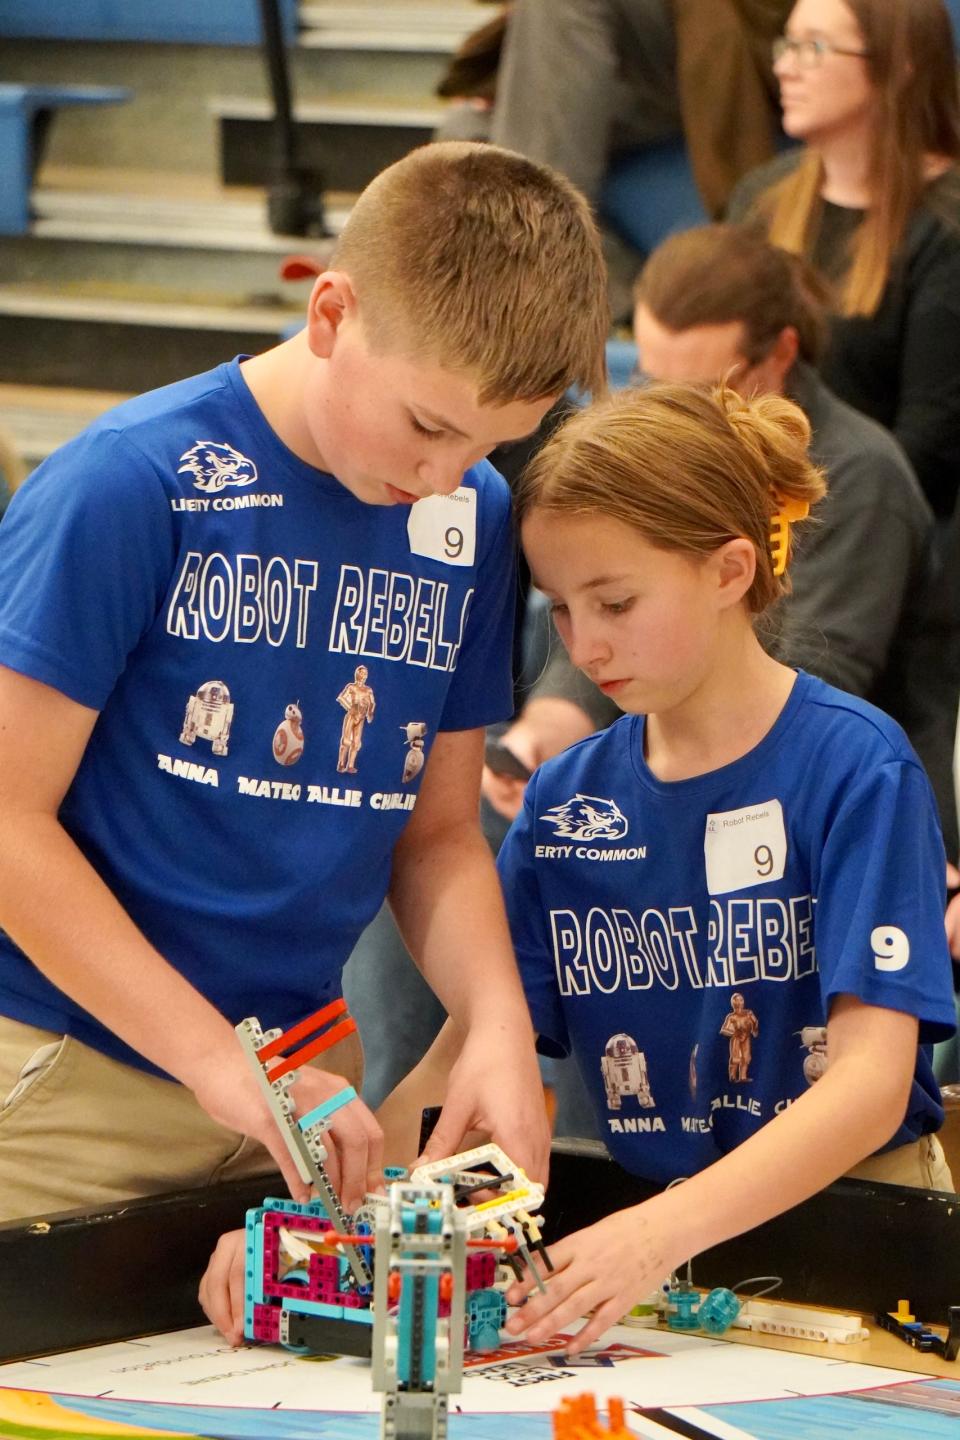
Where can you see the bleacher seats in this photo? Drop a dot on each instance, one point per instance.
(649, 194)
(175, 22)
(25, 115)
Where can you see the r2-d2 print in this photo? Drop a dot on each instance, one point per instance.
(209, 714)
(624, 1070)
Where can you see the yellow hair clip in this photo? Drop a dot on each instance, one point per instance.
(788, 513)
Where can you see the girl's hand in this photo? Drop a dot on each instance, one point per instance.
(601, 1272)
(221, 1289)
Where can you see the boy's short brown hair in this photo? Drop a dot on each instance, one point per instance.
(486, 262)
(716, 274)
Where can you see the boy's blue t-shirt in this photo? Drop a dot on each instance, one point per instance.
(685, 940)
(272, 660)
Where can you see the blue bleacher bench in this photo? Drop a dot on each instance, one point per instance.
(25, 115)
(173, 22)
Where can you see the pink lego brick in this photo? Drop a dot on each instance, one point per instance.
(481, 1270)
(266, 1323)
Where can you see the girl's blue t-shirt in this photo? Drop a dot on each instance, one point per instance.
(685, 940)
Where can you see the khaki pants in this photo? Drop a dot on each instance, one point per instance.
(78, 1129)
(922, 1165)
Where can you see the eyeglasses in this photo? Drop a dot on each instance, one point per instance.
(640, 380)
(809, 54)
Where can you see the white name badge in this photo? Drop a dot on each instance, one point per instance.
(745, 847)
(444, 527)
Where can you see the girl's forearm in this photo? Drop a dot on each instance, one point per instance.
(810, 1144)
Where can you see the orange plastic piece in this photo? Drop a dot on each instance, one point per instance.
(508, 1246)
(788, 513)
(577, 1419)
(393, 1286)
(446, 1286)
(316, 1047)
(302, 1029)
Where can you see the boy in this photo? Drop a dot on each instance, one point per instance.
(189, 590)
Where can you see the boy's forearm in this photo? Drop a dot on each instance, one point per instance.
(425, 1085)
(449, 907)
(65, 919)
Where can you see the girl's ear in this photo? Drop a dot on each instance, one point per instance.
(735, 564)
(332, 300)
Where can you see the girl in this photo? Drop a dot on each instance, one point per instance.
(873, 199)
(728, 904)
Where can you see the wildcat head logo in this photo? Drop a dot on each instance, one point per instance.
(215, 466)
(586, 817)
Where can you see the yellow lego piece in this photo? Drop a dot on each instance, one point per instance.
(501, 1200)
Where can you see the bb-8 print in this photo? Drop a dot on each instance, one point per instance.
(288, 737)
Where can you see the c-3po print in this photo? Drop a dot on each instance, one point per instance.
(359, 701)
(740, 1026)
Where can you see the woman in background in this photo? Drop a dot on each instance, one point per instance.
(873, 200)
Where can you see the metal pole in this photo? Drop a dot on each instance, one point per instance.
(295, 193)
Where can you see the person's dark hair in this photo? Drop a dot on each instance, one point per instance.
(717, 274)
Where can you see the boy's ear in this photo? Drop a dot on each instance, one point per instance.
(332, 300)
(736, 567)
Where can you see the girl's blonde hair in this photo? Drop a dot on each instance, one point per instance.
(689, 468)
(911, 61)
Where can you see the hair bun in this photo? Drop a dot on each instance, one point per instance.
(777, 433)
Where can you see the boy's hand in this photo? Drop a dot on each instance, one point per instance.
(602, 1272)
(495, 1087)
(231, 1096)
(222, 1286)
